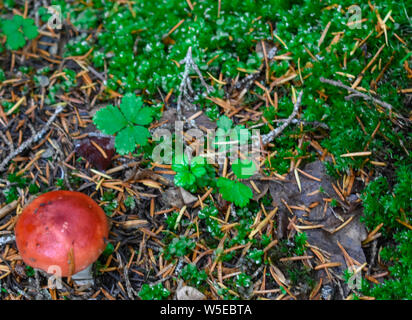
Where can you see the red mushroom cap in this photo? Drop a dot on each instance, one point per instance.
(62, 228)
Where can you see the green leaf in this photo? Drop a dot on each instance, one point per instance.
(29, 29)
(11, 26)
(198, 170)
(244, 168)
(180, 159)
(131, 106)
(198, 161)
(179, 167)
(224, 123)
(234, 191)
(109, 120)
(242, 194)
(15, 41)
(141, 134)
(183, 179)
(144, 116)
(125, 141)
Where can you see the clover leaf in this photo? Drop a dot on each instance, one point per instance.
(17, 29)
(127, 123)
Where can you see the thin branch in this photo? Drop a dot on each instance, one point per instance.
(10, 144)
(33, 138)
(356, 93)
(267, 138)
(186, 85)
(248, 81)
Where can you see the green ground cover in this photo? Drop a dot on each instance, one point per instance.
(141, 45)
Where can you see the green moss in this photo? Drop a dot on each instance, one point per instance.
(383, 204)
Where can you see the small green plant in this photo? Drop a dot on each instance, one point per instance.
(29, 271)
(234, 190)
(16, 30)
(226, 133)
(195, 175)
(193, 276)
(130, 203)
(266, 239)
(44, 14)
(128, 123)
(179, 247)
(391, 207)
(245, 218)
(255, 255)
(225, 294)
(300, 243)
(108, 250)
(60, 184)
(12, 193)
(209, 214)
(110, 202)
(243, 280)
(153, 292)
(34, 188)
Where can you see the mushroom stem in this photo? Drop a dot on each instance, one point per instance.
(84, 277)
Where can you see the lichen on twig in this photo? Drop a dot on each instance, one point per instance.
(267, 138)
(185, 86)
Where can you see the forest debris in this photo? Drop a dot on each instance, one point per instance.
(322, 227)
(172, 197)
(8, 208)
(99, 151)
(33, 138)
(189, 293)
(356, 92)
(185, 86)
(187, 197)
(133, 224)
(269, 137)
(263, 223)
(6, 239)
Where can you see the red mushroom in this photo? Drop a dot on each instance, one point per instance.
(66, 229)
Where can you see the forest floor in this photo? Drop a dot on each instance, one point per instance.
(324, 214)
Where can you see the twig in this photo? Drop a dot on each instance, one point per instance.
(130, 291)
(247, 81)
(356, 93)
(7, 239)
(267, 138)
(186, 85)
(10, 144)
(8, 208)
(315, 124)
(33, 138)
